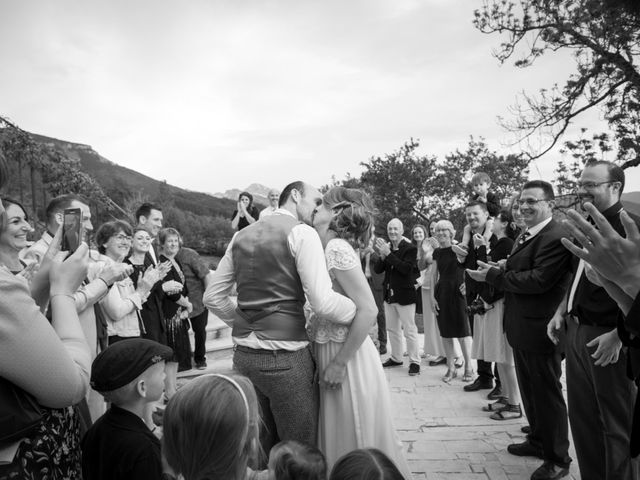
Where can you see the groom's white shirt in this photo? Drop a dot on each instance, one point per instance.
(306, 248)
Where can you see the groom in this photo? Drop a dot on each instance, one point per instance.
(275, 263)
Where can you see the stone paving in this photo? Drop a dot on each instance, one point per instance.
(447, 435)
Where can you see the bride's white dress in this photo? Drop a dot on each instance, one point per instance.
(357, 415)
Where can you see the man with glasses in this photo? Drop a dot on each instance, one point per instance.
(535, 279)
(600, 396)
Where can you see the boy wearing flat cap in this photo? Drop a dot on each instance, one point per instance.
(120, 446)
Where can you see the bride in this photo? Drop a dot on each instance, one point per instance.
(355, 406)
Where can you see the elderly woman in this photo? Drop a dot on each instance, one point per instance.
(13, 236)
(124, 301)
(175, 308)
(448, 301)
(50, 364)
(245, 214)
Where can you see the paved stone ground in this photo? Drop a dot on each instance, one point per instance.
(448, 436)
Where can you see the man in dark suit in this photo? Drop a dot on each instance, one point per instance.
(535, 279)
(398, 261)
(150, 217)
(600, 396)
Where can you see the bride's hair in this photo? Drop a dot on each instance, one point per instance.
(353, 214)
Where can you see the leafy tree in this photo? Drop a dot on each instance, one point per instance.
(399, 183)
(603, 38)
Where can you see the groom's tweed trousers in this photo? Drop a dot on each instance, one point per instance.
(287, 390)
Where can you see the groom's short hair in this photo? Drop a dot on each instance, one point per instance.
(286, 193)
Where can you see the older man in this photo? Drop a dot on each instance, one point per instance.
(274, 196)
(535, 280)
(276, 262)
(398, 260)
(600, 396)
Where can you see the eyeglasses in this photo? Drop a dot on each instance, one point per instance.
(591, 185)
(122, 238)
(530, 202)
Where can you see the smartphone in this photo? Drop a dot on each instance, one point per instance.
(72, 231)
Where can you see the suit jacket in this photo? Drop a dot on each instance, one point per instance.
(400, 269)
(535, 279)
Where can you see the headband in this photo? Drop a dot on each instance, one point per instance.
(238, 387)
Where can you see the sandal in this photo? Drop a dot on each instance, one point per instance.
(509, 412)
(496, 406)
(451, 374)
(468, 376)
(458, 362)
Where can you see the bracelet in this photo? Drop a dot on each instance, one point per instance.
(105, 282)
(63, 295)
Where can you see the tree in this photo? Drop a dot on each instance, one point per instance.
(399, 183)
(603, 38)
(418, 188)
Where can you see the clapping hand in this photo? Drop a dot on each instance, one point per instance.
(611, 255)
(479, 275)
(383, 247)
(479, 240)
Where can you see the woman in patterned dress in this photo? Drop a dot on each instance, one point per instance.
(355, 405)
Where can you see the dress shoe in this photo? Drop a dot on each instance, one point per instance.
(479, 384)
(526, 429)
(382, 349)
(201, 365)
(438, 361)
(414, 369)
(495, 394)
(549, 471)
(525, 449)
(391, 363)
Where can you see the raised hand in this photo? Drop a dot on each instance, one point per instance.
(115, 272)
(611, 255)
(66, 274)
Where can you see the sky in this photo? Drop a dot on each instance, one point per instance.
(218, 94)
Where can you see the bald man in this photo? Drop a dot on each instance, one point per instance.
(398, 261)
(274, 197)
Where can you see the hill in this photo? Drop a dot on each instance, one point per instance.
(631, 201)
(121, 183)
(259, 192)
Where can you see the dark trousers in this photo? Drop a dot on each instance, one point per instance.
(601, 401)
(378, 296)
(539, 380)
(287, 391)
(199, 326)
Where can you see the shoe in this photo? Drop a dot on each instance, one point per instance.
(526, 429)
(383, 349)
(479, 384)
(495, 394)
(496, 406)
(458, 362)
(468, 376)
(414, 369)
(549, 471)
(201, 365)
(391, 363)
(438, 361)
(509, 412)
(525, 449)
(451, 374)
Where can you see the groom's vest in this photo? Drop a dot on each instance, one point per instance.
(270, 293)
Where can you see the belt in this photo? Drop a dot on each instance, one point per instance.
(262, 351)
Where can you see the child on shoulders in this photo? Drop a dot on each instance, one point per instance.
(480, 184)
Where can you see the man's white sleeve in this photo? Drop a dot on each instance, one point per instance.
(307, 250)
(217, 296)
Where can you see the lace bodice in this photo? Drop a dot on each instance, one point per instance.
(340, 256)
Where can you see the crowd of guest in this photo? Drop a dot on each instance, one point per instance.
(92, 341)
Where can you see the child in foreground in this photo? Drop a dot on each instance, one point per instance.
(365, 464)
(130, 375)
(291, 460)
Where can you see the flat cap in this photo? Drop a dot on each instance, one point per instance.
(124, 361)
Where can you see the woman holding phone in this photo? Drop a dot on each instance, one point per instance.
(51, 364)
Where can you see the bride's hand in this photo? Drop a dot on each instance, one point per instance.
(334, 374)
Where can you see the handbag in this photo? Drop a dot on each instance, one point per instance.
(20, 414)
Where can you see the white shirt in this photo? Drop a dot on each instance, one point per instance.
(533, 231)
(267, 211)
(306, 248)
